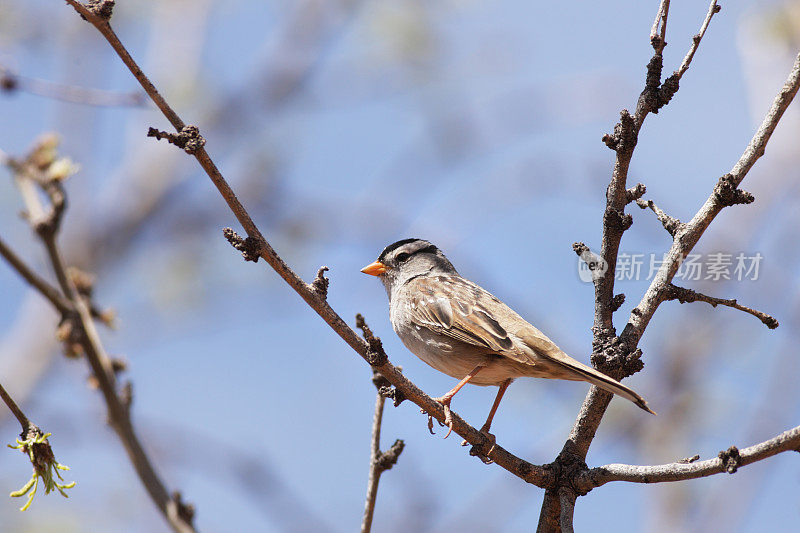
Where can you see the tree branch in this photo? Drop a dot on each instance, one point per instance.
(12, 405)
(671, 224)
(379, 461)
(690, 234)
(11, 82)
(61, 304)
(538, 475)
(713, 9)
(680, 471)
(686, 238)
(658, 33)
(46, 222)
(619, 359)
(683, 295)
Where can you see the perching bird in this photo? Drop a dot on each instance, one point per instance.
(459, 328)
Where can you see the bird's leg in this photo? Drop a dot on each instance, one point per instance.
(445, 400)
(485, 429)
(503, 386)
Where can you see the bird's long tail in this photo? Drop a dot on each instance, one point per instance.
(607, 383)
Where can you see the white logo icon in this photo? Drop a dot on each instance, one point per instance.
(591, 266)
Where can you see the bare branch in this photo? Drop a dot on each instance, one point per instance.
(621, 354)
(12, 405)
(82, 330)
(379, 461)
(683, 295)
(597, 401)
(538, 475)
(566, 499)
(671, 224)
(10, 82)
(695, 228)
(634, 193)
(658, 33)
(726, 461)
(35, 280)
(713, 9)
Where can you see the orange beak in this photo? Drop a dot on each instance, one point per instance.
(374, 269)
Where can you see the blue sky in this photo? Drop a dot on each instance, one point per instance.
(474, 124)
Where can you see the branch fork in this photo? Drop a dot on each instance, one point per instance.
(376, 355)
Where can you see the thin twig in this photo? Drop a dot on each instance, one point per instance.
(684, 295)
(10, 82)
(374, 471)
(536, 474)
(713, 9)
(658, 33)
(35, 280)
(12, 405)
(670, 223)
(379, 461)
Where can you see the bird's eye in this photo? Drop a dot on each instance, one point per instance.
(402, 256)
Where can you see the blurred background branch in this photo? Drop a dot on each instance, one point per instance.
(43, 169)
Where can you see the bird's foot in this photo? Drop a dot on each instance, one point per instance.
(430, 422)
(448, 415)
(480, 450)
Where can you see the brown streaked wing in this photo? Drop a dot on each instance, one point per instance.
(445, 307)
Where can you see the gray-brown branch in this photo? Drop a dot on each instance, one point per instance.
(61, 304)
(726, 461)
(536, 474)
(379, 461)
(684, 295)
(12, 405)
(685, 239)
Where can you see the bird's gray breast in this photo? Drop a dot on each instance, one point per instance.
(444, 353)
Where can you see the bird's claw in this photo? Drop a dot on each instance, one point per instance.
(448, 420)
(430, 422)
(477, 450)
(448, 415)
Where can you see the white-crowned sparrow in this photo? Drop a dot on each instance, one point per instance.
(459, 328)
